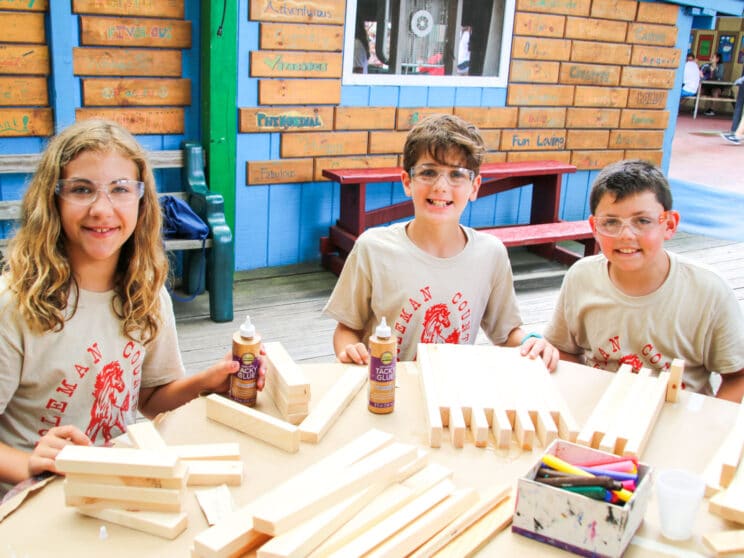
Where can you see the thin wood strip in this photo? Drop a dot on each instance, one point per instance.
(134, 494)
(721, 469)
(596, 424)
(725, 543)
(676, 373)
(144, 435)
(26, 163)
(623, 414)
(474, 538)
(428, 391)
(116, 461)
(211, 472)
(645, 420)
(160, 524)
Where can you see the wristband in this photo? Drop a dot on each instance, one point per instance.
(532, 335)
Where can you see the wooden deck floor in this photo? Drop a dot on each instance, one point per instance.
(286, 303)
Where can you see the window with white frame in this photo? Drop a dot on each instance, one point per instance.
(428, 42)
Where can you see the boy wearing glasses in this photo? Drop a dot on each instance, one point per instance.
(432, 279)
(638, 304)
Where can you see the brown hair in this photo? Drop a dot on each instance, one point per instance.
(440, 134)
(38, 271)
(627, 178)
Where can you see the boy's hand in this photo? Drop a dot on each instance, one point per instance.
(355, 353)
(218, 375)
(50, 444)
(535, 347)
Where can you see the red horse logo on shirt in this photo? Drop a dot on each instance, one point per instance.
(108, 404)
(436, 319)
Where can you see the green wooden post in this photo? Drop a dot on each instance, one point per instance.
(219, 83)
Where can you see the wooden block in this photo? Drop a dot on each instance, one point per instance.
(159, 33)
(487, 501)
(126, 62)
(475, 537)
(428, 391)
(116, 461)
(333, 403)
(231, 536)
(144, 435)
(282, 369)
(645, 419)
(524, 429)
(160, 524)
(388, 502)
(177, 481)
(219, 452)
(721, 469)
(136, 92)
(456, 426)
(212, 473)
(150, 9)
(676, 372)
(502, 428)
(136, 494)
(215, 503)
(427, 525)
(479, 426)
(545, 427)
(724, 543)
(596, 424)
(271, 430)
(395, 521)
(278, 515)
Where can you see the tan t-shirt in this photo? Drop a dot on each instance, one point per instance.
(88, 375)
(694, 316)
(423, 298)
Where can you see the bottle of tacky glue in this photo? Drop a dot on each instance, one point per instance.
(383, 349)
(246, 349)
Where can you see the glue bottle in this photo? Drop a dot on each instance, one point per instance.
(246, 349)
(383, 349)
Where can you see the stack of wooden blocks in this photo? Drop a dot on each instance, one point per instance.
(373, 496)
(286, 384)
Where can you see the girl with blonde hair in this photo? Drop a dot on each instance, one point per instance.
(87, 331)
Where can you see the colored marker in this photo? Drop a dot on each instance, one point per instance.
(572, 481)
(560, 465)
(613, 474)
(593, 492)
(608, 459)
(626, 466)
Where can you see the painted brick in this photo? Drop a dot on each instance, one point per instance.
(595, 29)
(299, 91)
(587, 139)
(540, 95)
(365, 118)
(592, 118)
(636, 139)
(520, 156)
(589, 96)
(495, 157)
(609, 53)
(537, 48)
(614, 9)
(656, 12)
(534, 72)
(300, 36)
(542, 117)
(542, 25)
(647, 98)
(289, 119)
(318, 11)
(652, 156)
(279, 172)
(376, 162)
(407, 117)
(660, 57)
(492, 139)
(595, 160)
(569, 7)
(649, 119)
(489, 117)
(589, 74)
(387, 142)
(323, 144)
(529, 140)
(649, 34)
(634, 76)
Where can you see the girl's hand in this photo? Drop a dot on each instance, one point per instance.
(46, 450)
(217, 376)
(535, 347)
(354, 353)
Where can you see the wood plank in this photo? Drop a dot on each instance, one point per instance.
(130, 32)
(16, 122)
(23, 91)
(26, 5)
(721, 469)
(319, 11)
(259, 425)
(277, 516)
(299, 91)
(281, 64)
(95, 460)
(132, 498)
(299, 36)
(676, 372)
(474, 538)
(285, 371)
(285, 119)
(144, 435)
(428, 391)
(22, 27)
(332, 405)
(136, 92)
(177, 481)
(210, 472)
(126, 62)
(24, 59)
(139, 120)
(202, 452)
(725, 543)
(160, 524)
(645, 420)
(149, 9)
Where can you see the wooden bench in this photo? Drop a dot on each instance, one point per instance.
(208, 205)
(543, 231)
(724, 85)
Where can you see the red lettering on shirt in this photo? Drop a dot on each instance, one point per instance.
(66, 388)
(95, 352)
(56, 405)
(615, 342)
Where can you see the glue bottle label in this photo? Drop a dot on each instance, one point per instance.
(382, 382)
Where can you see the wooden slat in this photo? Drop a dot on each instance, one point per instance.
(139, 120)
(161, 524)
(136, 92)
(24, 59)
(26, 163)
(23, 91)
(130, 32)
(95, 460)
(22, 27)
(18, 122)
(25, 5)
(149, 9)
(299, 36)
(281, 64)
(126, 62)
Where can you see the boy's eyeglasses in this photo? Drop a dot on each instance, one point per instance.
(638, 224)
(457, 176)
(82, 191)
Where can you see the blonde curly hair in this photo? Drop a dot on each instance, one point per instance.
(37, 270)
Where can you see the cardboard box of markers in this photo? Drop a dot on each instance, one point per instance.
(593, 517)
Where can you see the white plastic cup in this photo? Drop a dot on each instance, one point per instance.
(678, 495)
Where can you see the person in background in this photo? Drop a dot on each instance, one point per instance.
(463, 51)
(712, 72)
(361, 49)
(639, 304)
(737, 136)
(691, 77)
(87, 331)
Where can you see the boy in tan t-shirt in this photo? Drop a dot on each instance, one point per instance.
(638, 304)
(434, 280)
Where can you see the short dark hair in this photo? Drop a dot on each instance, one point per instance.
(440, 134)
(629, 177)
